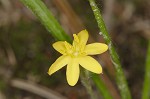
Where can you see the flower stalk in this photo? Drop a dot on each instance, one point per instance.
(87, 84)
(120, 77)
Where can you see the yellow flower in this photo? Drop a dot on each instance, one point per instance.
(75, 54)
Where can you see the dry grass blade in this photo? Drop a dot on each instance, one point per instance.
(36, 89)
(2, 96)
(72, 21)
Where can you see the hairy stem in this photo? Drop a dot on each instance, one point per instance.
(120, 77)
(86, 82)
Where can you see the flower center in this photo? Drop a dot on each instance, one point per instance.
(75, 53)
(75, 50)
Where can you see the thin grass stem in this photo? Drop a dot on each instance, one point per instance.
(120, 77)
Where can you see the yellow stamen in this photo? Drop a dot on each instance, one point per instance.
(76, 39)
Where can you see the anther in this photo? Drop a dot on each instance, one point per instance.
(76, 39)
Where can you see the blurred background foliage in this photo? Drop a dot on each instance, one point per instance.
(26, 47)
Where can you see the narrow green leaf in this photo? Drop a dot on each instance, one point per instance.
(146, 85)
(101, 87)
(47, 19)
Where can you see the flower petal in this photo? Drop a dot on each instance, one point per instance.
(73, 72)
(90, 64)
(58, 64)
(95, 48)
(60, 47)
(83, 37)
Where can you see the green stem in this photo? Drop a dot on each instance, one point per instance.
(85, 81)
(101, 87)
(47, 19)
(146, 86)
(120, 78)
